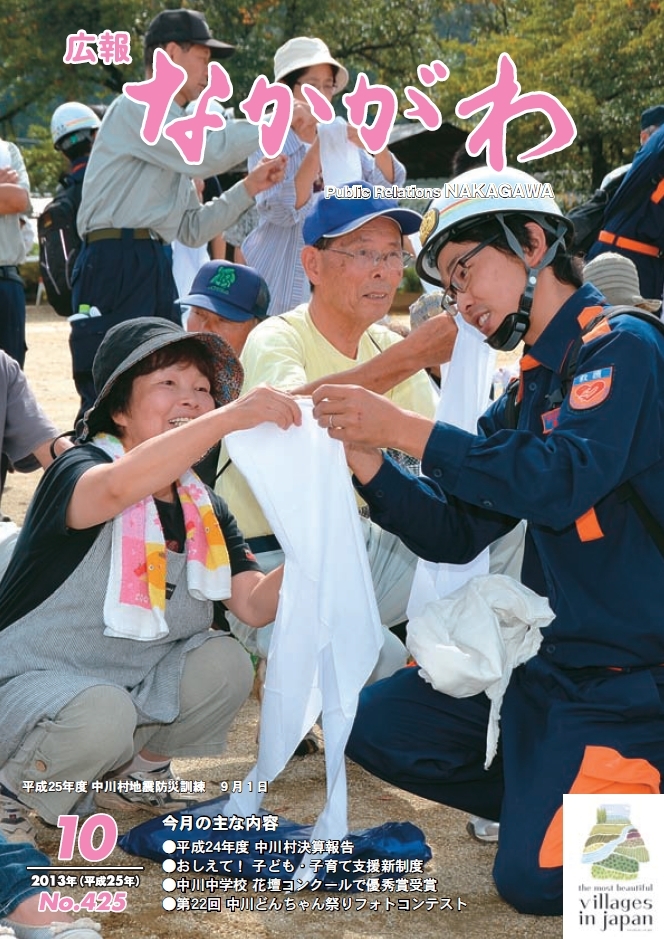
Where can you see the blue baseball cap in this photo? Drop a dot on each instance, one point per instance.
(333, 216)
(232, 291)
(652, 117)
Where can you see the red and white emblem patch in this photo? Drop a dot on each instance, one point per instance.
(590, 389)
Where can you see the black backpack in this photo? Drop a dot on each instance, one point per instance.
(626, 492)
(59, 245)
(588, 217)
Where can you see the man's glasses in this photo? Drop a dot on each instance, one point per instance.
(367, 260)
(460, 277)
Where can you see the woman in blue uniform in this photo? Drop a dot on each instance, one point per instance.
(585, 714)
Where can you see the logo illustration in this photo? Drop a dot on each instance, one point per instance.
(428, 224)
(223, 279)
(614, 847)
(590, 389)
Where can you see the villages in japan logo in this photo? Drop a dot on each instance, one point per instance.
(615, 851)
(614, 847)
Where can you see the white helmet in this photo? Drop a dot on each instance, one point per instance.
(485, 192)
(70, 118)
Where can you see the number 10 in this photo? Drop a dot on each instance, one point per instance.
(86, 848)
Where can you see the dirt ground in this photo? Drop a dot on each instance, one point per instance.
(461, 866)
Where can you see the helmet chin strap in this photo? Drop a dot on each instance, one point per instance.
(515, 325)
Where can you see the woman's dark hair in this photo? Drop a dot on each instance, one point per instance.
(185, 352)
(293, 77)
(566, 268)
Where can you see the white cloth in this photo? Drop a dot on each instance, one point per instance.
(186, 264)
(465, 387)
(471, 640)
(327, 634)
(9, 533)
(339, 158)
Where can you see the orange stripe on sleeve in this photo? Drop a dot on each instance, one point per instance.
(639, 247)
(602, 770)
(629, 244)
(658, 194)
(588, 527)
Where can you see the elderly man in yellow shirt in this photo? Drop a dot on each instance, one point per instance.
(354, 260)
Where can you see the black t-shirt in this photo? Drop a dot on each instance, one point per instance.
(47, 552)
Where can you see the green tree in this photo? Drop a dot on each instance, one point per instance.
(382, 37)
(601, 60)
(385, 38)
(43, 163)
(34, 41)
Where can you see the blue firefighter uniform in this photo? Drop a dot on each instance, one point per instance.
(586, 714)
(634, 218)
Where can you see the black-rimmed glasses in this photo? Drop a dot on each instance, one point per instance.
(460, 276)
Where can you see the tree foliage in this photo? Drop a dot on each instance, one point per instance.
(602, 60)
(386, 38)
(383, 37)
(33, 76)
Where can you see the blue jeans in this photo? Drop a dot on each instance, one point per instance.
(12, 321)
(15, 879)
(123, 279)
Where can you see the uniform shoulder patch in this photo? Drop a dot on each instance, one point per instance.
(590, 389)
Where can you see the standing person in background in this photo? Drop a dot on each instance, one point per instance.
(14, 202)
(634, 218)
(227, 299)
(138, 197)
(274, 247)
(73, 129)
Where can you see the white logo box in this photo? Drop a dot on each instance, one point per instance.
(613, 866)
